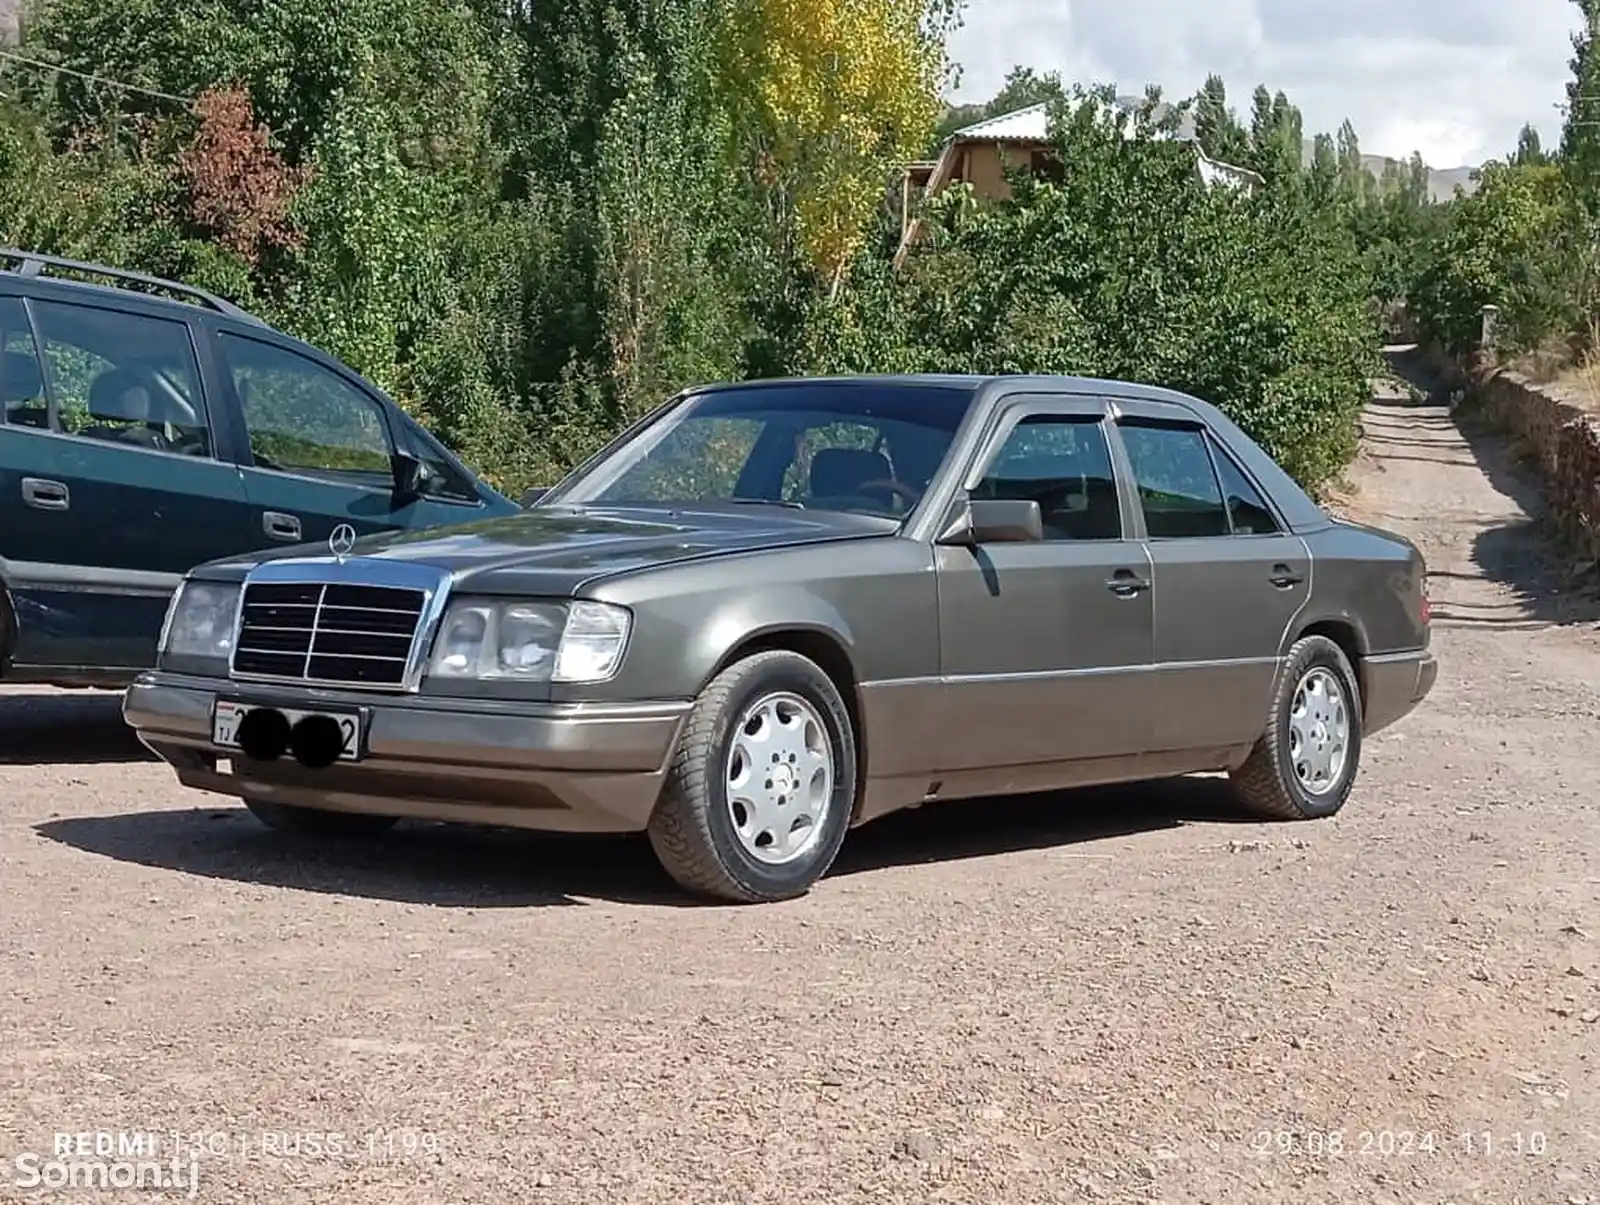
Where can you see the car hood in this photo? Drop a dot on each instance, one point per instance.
(559, 549)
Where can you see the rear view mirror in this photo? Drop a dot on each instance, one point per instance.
(996, 521)
(529, 497)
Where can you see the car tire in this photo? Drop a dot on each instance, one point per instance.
(318, 822)
(1298, 770)
(715, 809)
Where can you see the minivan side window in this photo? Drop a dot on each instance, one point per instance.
(303, 418)
(1177, 483)
(122, 378)
(21, 382)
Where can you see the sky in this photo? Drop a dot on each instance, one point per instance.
(1454, 79)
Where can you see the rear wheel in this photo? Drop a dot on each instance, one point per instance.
(318, 822)
(759, 796)
(1305, 763)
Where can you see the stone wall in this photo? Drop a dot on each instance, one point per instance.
(1564, 438)
(1566, 441)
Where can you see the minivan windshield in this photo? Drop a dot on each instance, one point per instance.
(871, 447)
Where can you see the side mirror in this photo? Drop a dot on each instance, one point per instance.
(995, 521)
(529, 497)
(410, 476)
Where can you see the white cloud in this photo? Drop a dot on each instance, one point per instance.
(1454, 79)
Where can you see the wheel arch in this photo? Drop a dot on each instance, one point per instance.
(1347, 634)
(831, 654)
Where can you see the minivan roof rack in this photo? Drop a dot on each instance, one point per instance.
(33, 263)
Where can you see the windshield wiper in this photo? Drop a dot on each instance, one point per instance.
(765, 502)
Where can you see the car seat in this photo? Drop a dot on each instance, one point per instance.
(118, 396)
(841, 472)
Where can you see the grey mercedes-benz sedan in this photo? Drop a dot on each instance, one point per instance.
(771, 611)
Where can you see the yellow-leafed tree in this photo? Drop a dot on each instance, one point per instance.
(831, 97)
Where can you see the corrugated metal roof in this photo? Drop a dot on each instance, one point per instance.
(1032, 124)
(1029, 125)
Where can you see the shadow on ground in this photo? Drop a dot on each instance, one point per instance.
(466, 867)
(78, 727)
(1521, 554)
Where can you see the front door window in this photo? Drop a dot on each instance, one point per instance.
(304, 419)
(1063, 464)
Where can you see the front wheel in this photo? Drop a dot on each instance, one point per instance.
(758, 799)
(318, 822)
(1305, 763)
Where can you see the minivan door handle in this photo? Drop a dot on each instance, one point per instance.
(45, 495)
(1283, 577)
(281, 526)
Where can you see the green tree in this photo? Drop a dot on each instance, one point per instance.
(1580, 132)
(1530, 148)
(1354, 181)
(1216, 126)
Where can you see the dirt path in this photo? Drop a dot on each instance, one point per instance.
(1118, 996)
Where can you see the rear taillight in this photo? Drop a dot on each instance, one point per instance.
(1425, 607)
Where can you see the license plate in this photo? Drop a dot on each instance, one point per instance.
(226, 716)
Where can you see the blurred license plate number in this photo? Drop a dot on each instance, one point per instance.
(225, 720)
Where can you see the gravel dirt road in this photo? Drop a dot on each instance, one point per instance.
(1117, 996)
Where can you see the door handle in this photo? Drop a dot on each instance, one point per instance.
(1283, 577)
(45, 495)
(1126, 583)
(281, 526)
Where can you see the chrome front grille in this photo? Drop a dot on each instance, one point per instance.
(316, 622)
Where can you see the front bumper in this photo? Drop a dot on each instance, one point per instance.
(1394, 683)
(576, 767)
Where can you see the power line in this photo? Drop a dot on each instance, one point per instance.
(96, 79)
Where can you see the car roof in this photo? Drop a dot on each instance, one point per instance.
(1010, 382)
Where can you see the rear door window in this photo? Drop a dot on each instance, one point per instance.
(1176, 480)
(121, 378)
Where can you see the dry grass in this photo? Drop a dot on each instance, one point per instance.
(1568, 368)
(1580, 385)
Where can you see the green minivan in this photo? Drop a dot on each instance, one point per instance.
(143, 435)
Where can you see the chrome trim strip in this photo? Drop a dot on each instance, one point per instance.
(435, 585)
(1093, 671)
(88, 579)
(1397, 658)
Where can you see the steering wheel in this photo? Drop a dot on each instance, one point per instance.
(892, 486)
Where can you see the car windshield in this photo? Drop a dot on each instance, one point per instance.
(871, 447)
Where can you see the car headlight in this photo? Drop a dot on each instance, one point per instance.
(200, 620)
(580, 641)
